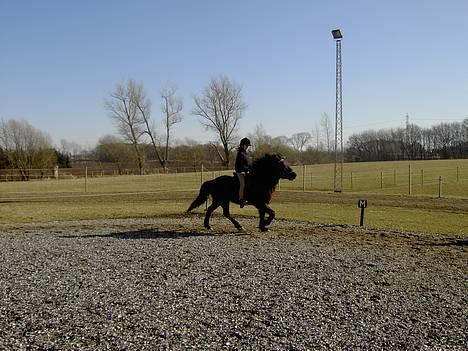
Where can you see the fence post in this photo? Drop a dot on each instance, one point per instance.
(311, 179)
(440, 187)
(86, 180)
(381, 180)
(422, 176)
(409, 179)
(279, 184)
(351, 180)
(303, 177)
(458, 174)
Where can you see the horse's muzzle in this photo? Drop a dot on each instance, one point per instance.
(292, 176)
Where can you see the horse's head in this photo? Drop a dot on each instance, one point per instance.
(284, 171)
(272, 167)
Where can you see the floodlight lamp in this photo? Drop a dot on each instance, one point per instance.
(336, 34)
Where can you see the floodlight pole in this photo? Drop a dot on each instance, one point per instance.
(339, 153)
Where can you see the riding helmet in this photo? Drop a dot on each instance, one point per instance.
(245, 141)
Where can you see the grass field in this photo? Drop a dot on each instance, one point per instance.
(309, 197)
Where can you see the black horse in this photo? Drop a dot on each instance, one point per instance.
(260, 185)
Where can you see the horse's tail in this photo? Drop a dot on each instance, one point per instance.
(202, 196)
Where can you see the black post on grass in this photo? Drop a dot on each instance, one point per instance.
(440, 187)
(362, 204)
(409, 179)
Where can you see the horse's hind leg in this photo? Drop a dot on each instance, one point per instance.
(227, 214)
(209, 211)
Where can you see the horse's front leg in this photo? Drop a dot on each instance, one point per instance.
(265, 209)
(271, 215)
(261, 214)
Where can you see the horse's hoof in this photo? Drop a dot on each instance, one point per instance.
(240, 229)
(263, 229)
(207, 227)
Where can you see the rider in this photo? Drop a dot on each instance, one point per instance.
(242, 167)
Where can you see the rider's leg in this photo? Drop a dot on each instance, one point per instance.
(241, 177)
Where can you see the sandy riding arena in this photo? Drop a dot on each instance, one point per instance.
(165, 283)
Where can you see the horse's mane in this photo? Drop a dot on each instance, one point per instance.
(263, 168)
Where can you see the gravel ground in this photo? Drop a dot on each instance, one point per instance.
(164, 283)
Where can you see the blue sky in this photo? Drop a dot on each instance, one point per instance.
(60, 59)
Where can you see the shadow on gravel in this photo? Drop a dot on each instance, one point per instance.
(456, 242)
(144, 234)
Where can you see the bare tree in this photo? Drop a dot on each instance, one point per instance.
(465, 129)
(26, 147)
(316, 137)
(143, 105)
(126, 113)
(327, 128)
(70, 148)
(220, 107)
(444, 136)
(171, 107)
(412, 141)
(299, 141)
(260, 138)
(445, 140)
(282, 139)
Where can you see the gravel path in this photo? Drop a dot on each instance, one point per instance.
(163, 283)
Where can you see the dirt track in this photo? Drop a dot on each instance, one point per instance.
(164, 283)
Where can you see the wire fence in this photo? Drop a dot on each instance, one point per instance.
(449, 179)
(9, 175)
(409, 180)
